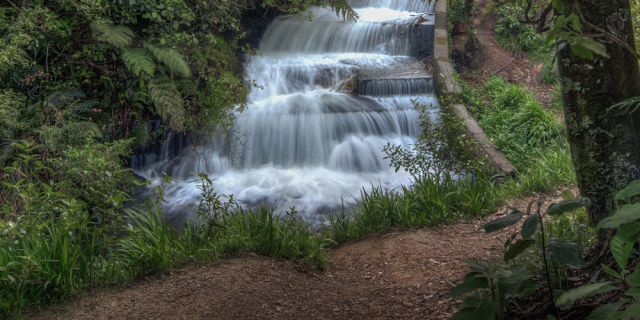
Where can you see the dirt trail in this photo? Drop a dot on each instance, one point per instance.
(502, 63)
(399, 275)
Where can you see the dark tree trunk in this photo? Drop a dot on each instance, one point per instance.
(605, 144)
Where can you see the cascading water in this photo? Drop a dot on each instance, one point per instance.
(311, 142)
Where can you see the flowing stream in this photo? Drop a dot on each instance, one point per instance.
(309, 141)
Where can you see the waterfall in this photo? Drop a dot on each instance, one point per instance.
(332, 94)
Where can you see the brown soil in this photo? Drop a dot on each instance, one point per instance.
(404, 275)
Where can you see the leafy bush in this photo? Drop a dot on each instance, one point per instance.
(519, 37)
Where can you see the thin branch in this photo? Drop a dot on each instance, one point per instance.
(605, 33)
(14, 5)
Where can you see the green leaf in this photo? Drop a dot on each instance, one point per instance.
(528, 287)
(634, 279)
(603, 312)
(470, 303)
(625, 214)
(632, 189)
(517, 248)
(634, 291)
(621, 252)
(568, 298)
(478, 265)
(567, 206)
(567, 194)
(529, 226)
(486, 311)
(559, 6)
(632, 312)
(502, 222)
(469, 285)
(594, 46)
(611, 272)
(629, 232)
(564, 252)
(581, 51)
(139, 60)
(463, 314)
(512, 283)
(551, 317)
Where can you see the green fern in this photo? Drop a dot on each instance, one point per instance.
(168, 101)
(341, 7)
(139, 60)
(119, 36)
(141, 134)
(64, 96)
(171, 59)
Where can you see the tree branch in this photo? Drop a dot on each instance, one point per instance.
(605, 33)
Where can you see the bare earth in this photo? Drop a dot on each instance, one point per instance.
(400, 275)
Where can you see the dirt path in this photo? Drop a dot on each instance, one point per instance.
(502, 63)
(400, 275)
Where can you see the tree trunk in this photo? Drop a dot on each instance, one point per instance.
(605, 143)
(472, 46)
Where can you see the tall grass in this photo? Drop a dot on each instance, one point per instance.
(429, 201)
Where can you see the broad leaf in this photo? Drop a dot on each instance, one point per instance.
(632, 312)
(625, 214)
(568, 298)
(511, 284)
(551, 317)
(470, 303)
(634, 279)
(611, 272)
(634, 291)
(559, 6)
(604, 311)
(463, 314)
(564, 252)
(529, 226)
(517, 248)
(631, 190)
(621, 252)
(469, 285)
(486, 311)
(528, 287)
(629, 232)
(478, 265)
(567, 206)
(502, 222)
(567, 194)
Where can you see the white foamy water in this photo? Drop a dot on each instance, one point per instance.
(308, 143)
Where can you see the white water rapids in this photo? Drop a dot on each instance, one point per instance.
(307, 143)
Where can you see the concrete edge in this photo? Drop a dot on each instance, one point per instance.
(448, 88)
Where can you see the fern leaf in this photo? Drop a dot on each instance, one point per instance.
(119, 36)
(171, 59)
(141, 134)
(168, 101)
(82, 106)
(341, 7)
(64, 96)
(139, 60)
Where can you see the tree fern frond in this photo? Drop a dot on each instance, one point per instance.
(141, 134)
(168, 101)
(64, 96)
(139, 60)
(341, 7)
(185, 85)
(171, 59)
(85, 105)
(119, 36)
